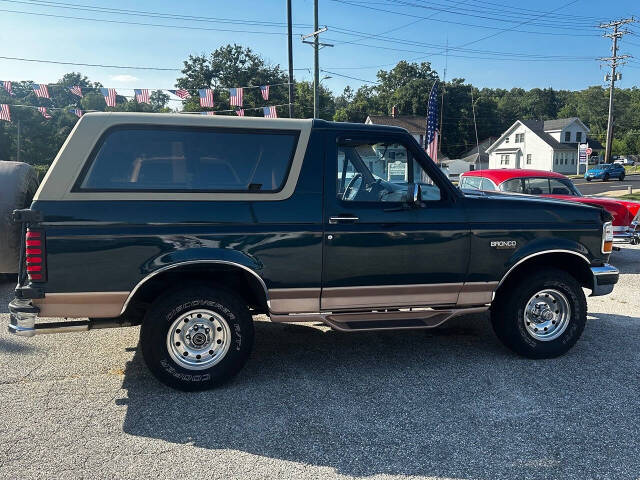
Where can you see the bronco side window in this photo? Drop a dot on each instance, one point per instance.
(380, 172)
(156, 158)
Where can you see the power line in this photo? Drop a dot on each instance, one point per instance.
(347, 76)
(99, 65)
(147, 13)
(368, 6)
(124, 22)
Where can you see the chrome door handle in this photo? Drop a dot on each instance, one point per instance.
(343, 219)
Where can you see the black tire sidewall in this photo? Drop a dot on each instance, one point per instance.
(509, 316)
(162, 315)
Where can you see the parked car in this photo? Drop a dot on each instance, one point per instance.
(624, 161)
(605, 171)
(626, 214)
(189, 225)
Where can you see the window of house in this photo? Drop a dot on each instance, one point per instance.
(519, 137)
(528, 159)
(504, 159)
(146, 158)
(506, 139)
(567, 136)
(578, 137)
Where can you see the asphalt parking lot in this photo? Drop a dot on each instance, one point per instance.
(445, 403)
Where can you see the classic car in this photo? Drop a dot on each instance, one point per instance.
(190, 225)
(626, 216)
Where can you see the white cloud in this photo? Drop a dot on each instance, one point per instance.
(123, 78)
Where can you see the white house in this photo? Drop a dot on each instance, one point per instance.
(551, 145)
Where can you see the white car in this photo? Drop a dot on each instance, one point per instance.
(624, 161)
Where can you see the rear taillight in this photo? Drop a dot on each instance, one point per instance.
(607, 237)
(35, 255)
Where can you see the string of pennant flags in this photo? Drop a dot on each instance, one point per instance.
(5, 111)
(236, 94)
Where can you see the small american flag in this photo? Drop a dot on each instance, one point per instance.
(264, 90)
(270, 112)
(431, 134)
(240, 112)
(5, 113)
(206, 97)
(76, 90)
(44, 112)
(41, 90)
(235, 97)
(7, 87)
(208, 112)
(109, 96)
(142, 95)
(182, 93)
(77, 112)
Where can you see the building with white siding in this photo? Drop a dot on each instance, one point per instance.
(550, 145)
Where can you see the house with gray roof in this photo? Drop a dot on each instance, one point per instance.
(550, 145)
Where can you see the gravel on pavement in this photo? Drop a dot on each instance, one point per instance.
(313, 403)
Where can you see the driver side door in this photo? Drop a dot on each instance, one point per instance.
(378, 251)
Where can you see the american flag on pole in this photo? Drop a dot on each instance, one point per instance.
(44, 112)
(109, 96)
(270, 112)
(76, 111)
(5, 113)
(431, 134)
(181, 92)
(41, 90)
(76, 90)
(240, 112)
(142, 95)
(208, 112)
(7, 87)
(206, 97)
(264, 90)
(235, 96)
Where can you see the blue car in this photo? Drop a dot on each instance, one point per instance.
(605, 171)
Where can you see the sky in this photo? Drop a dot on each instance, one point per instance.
(490, 43)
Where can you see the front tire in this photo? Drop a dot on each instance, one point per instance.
(605, 178)
(621, 177)
(588, 179)
(196, 338)
(541, 315)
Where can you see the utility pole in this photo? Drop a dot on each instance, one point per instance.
(316, 62)
(614, 61)
(316, 57)
(290, 46)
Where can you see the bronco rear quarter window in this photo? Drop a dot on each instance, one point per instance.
(189, 159)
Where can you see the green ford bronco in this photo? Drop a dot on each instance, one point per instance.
(189, 225)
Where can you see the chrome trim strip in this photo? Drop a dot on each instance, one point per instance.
(80, 304)
(193, 262)
(606, 269)
(476, 293)
(544, 252)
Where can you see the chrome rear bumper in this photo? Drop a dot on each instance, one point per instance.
(604, 279)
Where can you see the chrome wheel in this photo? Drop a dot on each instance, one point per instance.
(198, 339)
(547, 315)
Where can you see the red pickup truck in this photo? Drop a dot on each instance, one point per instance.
(626, 216)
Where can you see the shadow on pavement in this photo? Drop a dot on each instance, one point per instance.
(449, 402)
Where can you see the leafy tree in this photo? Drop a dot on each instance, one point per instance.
(233, 66)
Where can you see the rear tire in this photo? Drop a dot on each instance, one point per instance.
(541, 315)
(621, 177)
(196, 338)
(588, 179)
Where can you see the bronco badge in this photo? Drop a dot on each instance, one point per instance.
(503, 244)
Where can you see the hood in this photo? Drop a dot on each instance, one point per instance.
(623, 211)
